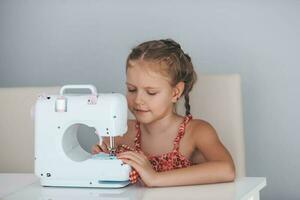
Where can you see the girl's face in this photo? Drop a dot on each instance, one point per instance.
(149, 94)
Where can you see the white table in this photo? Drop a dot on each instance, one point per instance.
(27, 187)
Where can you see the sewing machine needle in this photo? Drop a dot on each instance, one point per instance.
(112, 149)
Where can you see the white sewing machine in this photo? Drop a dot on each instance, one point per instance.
(59, 158)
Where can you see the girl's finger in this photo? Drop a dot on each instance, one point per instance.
(99, 148)
(132, 163)
(143, 155)
(103, 147)
(95, 149)
(132, 156)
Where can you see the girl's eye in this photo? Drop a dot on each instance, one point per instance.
(131, 90)
(152, 93)
(149, 93)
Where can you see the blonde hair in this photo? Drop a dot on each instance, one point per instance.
(177, 64)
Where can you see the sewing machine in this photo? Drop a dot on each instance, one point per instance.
(60, 160)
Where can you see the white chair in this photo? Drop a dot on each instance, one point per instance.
(215, 98)
(16, 127)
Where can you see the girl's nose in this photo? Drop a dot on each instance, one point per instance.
(138, 98)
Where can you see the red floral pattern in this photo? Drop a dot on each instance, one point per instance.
(170, 160)
(166, 161)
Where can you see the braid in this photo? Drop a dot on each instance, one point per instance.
(188, 57)
(189, 77)
(171, 43)
(187, 104)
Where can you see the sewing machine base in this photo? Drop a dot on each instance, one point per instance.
(85, 183)
(100, 171)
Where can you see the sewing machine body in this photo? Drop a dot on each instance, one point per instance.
(59, 158)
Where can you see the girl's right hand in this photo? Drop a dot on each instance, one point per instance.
(97, 148)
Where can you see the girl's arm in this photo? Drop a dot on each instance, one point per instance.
(218, 167)
(210, 172)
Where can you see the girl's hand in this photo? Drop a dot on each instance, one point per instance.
(140, 162)
(96, 148)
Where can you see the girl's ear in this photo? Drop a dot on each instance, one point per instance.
(177, 91)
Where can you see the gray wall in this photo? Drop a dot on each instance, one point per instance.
(54, 42)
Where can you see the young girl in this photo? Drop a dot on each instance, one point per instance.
(168, 149)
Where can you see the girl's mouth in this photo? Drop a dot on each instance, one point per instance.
(140, 110)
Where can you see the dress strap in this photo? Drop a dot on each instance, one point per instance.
(181, 131)
(137, 139)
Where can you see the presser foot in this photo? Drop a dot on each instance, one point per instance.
(112, 151)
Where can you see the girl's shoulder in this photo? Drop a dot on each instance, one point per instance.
(199, 128)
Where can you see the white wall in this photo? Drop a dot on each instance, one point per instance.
(54, 42)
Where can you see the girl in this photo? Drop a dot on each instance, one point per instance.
(168, 149)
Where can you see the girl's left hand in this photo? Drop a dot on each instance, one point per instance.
(140, 162)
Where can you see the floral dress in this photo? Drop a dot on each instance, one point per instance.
(164, 162)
